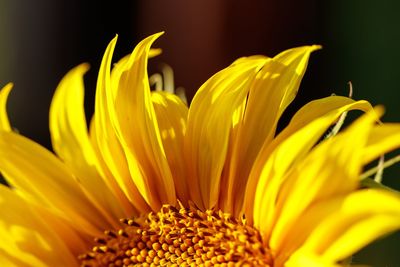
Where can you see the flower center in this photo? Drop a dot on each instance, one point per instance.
(180, 237)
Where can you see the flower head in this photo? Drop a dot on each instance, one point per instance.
(153, 182)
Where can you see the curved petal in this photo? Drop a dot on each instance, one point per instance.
(358, 225)
(43, 179)
(306, 115)
(383, 138)
(274, 87)
(4, 122)
(111, 158)
(311, 218)
(215, 110)
(339, 227)
(171, 115)
(71, 142)
(320, 107)
(330, 169)
(293, 143)
(67, 120)
(26, 240)
(296, 59)
(138, 130)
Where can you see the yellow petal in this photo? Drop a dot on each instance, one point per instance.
(138, 130)
(383, 138)
(276, 168)
(4, 122)
(71, 142)
(307, 260)
(67, 120)
(171, 115)
(13, 261)
(296, 59)
(42, 178)
(211, 117)
(359, 219)
(331, 169)
(310, 219)
(111, 157)
(70, 236)
(320, 107)
(275, 86)
(293, 143)
(26, 240)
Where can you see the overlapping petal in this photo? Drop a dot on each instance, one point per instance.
(275, 86)
(112, 161)
(137, 128)
(71, 141)
(43, 179)
(330, 172)
(383, 138)
(336, 228)
(291, 145)
(214, 111)
(331, 169)
(27, 240)
(171, 115)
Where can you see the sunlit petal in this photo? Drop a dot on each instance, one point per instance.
(275, 161)
(275, 86)
(71, 142)
(26, 240)
(138, 130)
(383, 139)
(111, 157)
(340, 157)
(171, 115)
(41, 177)
(339, 227)
(212, 115)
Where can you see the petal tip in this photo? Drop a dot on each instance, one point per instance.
(83, 67)
(315, 47)
(7, 88)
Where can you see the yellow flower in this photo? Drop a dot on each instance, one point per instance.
(154, 182)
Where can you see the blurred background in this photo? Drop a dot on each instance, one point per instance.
(41, 40)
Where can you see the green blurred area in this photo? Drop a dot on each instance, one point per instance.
(363, 41)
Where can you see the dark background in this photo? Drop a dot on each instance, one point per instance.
(41, 40)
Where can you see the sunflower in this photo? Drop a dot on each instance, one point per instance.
(155, 183)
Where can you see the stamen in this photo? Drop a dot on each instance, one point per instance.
(156, 80)
(385, 164)
(165, 82)
(180, 237)
(342, 117)
(350, 89)
(168, 75)
(180, 92)
(379, 174)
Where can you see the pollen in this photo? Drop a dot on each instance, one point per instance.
(180, 237)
